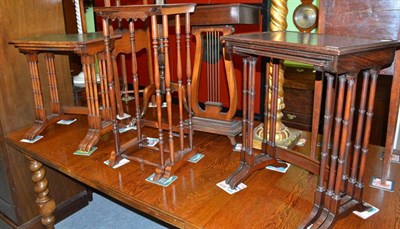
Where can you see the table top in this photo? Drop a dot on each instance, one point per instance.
(143, 11)
(64, 42)
(326, 52)
(271, 199)
(311, 42)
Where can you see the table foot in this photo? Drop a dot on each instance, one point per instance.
(245, 169)
(39, 126)
(93, 137)
(116, 156)
(314, 215)
(323, 216)
(170, 168)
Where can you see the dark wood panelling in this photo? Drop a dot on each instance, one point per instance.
(370, 19)
(21, 19)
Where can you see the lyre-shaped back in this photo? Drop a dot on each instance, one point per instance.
(208, 51)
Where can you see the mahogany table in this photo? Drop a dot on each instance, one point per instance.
(87, 46)
(340, 183)
(172, 153)
(194, 200)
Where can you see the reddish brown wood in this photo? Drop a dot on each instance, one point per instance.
(357, 142)
(249, 161)
(342, 56)
(392, 119)
(46, 204)
(316, 116)
(17, 198)
(367, 132)
(86, 45)
(212, 119)
(194, 200)
(162, 85)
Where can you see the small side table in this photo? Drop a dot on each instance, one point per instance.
(340, 183)
(87, 46)
(173, 153)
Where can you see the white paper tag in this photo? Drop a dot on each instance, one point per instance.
(368, 212)
(279, 169)
(196, 158)
(127, 128)
(224, 186)
(66, 122)
(122, 162)
(37, 138)
(165, 182)
(152, 141)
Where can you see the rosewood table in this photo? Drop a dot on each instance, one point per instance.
(340, 183)
(87, 46)
(177, 152)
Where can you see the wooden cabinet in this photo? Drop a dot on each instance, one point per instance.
(17, 199)
(370, 19)
(298, 96)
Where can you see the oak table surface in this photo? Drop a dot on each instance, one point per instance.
(271, 199)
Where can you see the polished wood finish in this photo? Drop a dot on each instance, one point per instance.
(299, 95)
(213, 70)
(369, 19)
(17, 197)
(194, 200)
(228, 14)
(46, 204)
(177, 153)
(339, 57)
(208, 57)
(85, 45)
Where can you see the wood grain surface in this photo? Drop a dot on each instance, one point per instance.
(271, 200)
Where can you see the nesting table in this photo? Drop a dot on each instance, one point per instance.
(341, 59)
(87, 46)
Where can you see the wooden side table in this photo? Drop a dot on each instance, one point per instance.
(340, 183)
(87, 46)
(177, 152)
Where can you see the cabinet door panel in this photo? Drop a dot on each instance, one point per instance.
(6, 206)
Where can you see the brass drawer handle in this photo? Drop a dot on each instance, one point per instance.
(291, 116)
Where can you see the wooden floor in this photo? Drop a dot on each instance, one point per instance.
(271, 199)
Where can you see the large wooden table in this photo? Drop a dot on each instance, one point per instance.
(271, 200)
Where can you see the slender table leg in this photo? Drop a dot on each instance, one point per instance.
(337, 198)
(189, 78)
(55, 105)
(41, 119)
(316, 113)
(46, 204)
(335, 151)
(321, 187)
(364, 150)
(105, 98)
(357, 142)
(244, 124)
(249, 161)
(168, 95)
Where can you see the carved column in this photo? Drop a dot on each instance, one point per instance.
(46, 204)
(278, 22)
(284, 137)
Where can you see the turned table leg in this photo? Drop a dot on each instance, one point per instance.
(46, 204)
